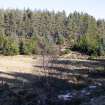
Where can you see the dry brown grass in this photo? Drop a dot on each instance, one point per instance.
(19, 63)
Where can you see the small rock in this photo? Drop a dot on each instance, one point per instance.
(92, 87)
(65, 97)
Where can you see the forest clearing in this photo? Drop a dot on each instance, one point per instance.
(63, 67)
(52, 52)
(66, 77)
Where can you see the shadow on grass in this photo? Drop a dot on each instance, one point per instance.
(86, 63)
(86, 71)
(34, 89)
(45, 82)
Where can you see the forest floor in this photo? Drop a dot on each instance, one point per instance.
(64, 67)
(29, 64)
(71, 77)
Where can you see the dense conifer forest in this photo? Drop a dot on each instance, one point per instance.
(26, 32)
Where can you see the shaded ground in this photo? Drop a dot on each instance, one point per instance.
(76, 71)
(47, 91)
(25, 82)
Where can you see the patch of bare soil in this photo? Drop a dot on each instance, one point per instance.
(21, 64)
(17, 63)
